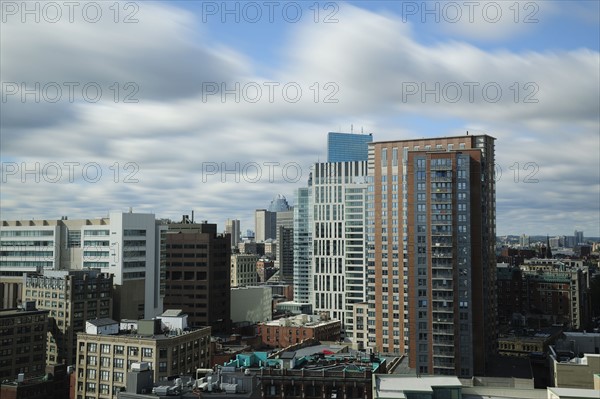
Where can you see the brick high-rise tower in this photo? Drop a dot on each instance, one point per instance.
(431, 224)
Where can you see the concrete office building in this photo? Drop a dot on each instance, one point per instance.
(71, 298)
(265, 225)
(251, 304)
(431, 252)
(303, 245)
(243, 270)
(104, 360)
(198, 274)
(126, 245)
(338, 233)
(347, 147)
(232, 227)
(23, 339)
(251, 247)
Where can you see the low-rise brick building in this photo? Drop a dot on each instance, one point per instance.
(291, 330)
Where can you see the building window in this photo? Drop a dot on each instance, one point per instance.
(118, 363)
(162, 366)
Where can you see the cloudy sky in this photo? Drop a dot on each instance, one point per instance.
(219, 106)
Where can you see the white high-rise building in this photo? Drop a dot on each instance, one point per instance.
(127, 245)
(524, 241)
(339, 265)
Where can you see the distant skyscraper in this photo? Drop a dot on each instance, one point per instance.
(285, 244)
(279, 204)
(302, 244)
(524, 241)
(578, 237)
(265, 225)
(346, 147)
(430, 251)
(232, 227)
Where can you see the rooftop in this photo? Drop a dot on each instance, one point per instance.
(20, 312)
(345, 362)
(172, 313)
(509, 367)
(156, 337)
(102, 322)
(299, 321)
(575, 392)
(391, 386)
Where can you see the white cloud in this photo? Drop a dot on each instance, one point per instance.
(173, 130)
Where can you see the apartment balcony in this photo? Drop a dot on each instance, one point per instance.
(443, 362)
(443, 179)
(446, 316)
(445, 343)
(444, 352)
(442, 255)
(442, 295)
(443, 286)
(442, 306)
(443, 340)
(443, 331)
(442, 274)
(440, 167)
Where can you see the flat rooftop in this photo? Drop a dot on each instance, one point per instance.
(124, 334)
(299, 321)
(20, 312)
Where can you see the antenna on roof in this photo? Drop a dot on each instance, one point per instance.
(362, 129)
(352, 128)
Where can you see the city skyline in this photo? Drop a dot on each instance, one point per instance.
(162, 140)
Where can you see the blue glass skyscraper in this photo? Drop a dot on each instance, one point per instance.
(347, 147)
